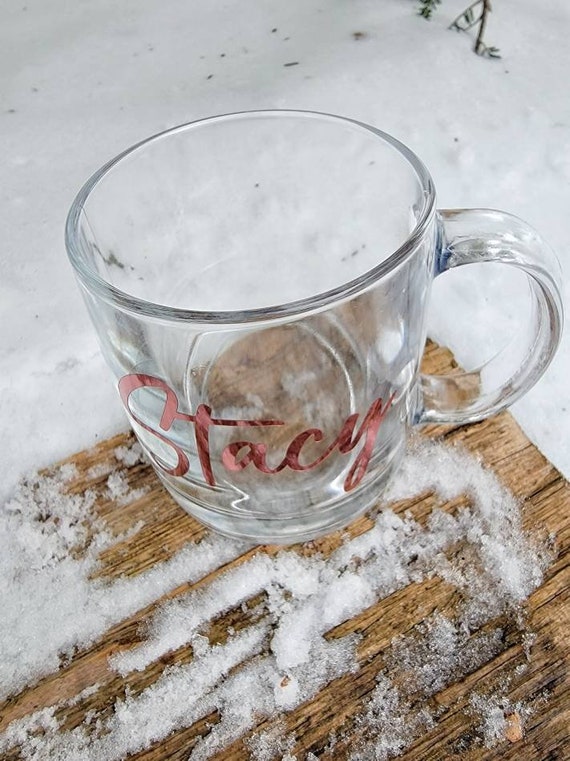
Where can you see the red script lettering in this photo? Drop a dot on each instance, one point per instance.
(239, 454)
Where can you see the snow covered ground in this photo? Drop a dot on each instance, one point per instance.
(81, 81)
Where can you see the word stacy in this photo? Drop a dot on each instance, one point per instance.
(239, 454)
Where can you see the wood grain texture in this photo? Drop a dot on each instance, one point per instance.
(538, 677)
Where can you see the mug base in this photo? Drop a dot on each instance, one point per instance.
(280, 530)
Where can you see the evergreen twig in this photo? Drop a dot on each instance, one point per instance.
(476, 14)
(427, 7)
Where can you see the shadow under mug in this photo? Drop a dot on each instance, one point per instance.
(259, 284)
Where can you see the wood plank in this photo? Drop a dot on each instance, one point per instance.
(537, 677)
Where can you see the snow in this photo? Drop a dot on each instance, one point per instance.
(51, 605)
(55, 604)
(500, 719)
(81, 82)
(390, 723)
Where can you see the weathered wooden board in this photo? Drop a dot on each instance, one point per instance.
(544, 683)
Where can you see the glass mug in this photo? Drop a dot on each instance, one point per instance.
(259, 284)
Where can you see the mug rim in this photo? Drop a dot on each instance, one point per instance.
(101, 288)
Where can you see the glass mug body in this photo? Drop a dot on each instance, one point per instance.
(259, 284)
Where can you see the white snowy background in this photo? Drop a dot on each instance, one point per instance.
(81, 81)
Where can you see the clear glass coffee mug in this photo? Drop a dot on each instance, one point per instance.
(259, 284)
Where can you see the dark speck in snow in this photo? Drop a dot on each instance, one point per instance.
(358, 35)
(291, 63)
(112, 260)
(455, 139)
(352, 254)
(11, 111)
(209, 76)
(222, 55)
(256, 185)
(274, 30)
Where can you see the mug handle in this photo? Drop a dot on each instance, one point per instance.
(473, 236)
